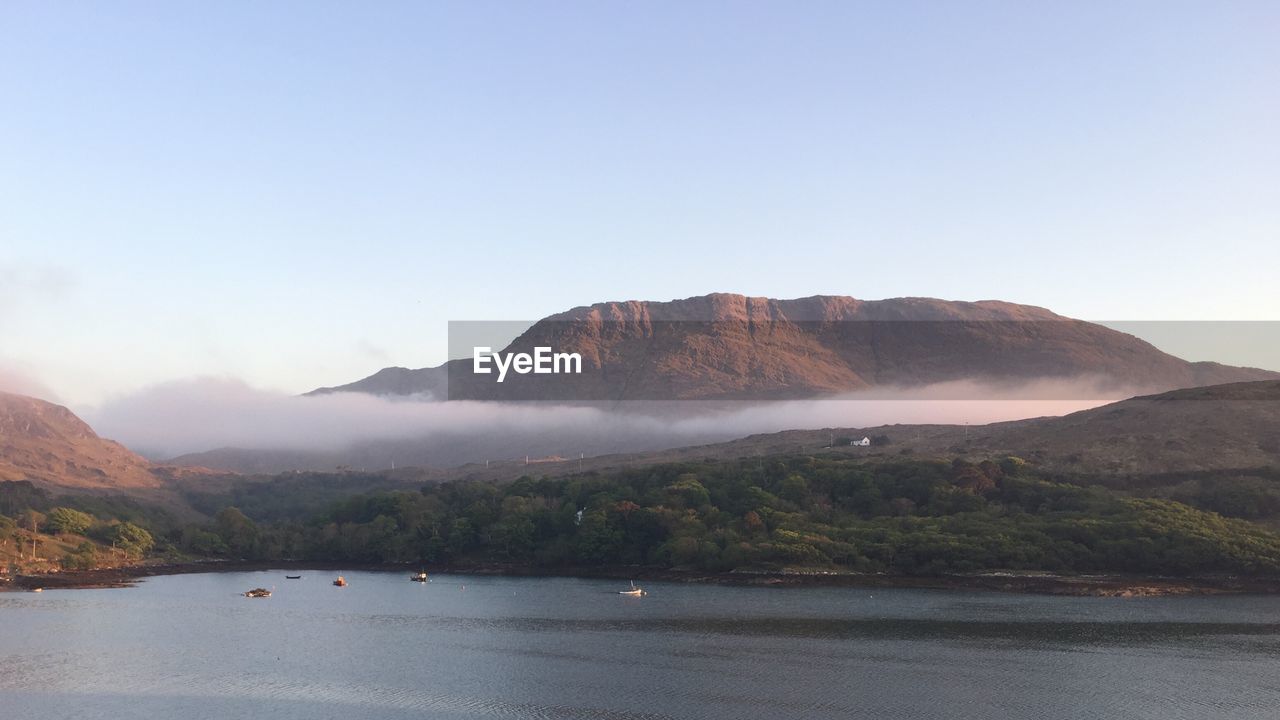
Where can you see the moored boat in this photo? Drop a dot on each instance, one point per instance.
(340, 582)
(420, 576)
(634, 591)
(258, 593)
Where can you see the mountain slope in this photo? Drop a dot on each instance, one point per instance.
(1222, 428)
(731, 347)
(49, 445)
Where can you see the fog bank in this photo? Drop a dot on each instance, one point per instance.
(202, 414)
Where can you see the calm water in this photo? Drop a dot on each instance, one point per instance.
(188, 646)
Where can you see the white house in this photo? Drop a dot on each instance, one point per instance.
(864, 442)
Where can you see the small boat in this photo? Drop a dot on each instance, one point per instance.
(340, 582)
(420, 577)
(37, 589)
(258, 592)
(634, 591)
(292, 577)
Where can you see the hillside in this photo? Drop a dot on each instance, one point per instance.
(887, 517)
(1233, 426)
(48, 445)
(1208, 429)
(732, 347)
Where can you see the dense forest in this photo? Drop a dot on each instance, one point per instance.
(900, 516)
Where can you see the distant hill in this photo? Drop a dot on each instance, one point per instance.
(1216, 429)
(1221, 427)
(48, 445)
(732, 347)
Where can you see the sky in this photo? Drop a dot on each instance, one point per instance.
(297, 194)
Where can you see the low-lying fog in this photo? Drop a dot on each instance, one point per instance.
(199, 415)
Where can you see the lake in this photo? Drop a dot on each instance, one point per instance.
(189, 646)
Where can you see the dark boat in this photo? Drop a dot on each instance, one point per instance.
(340, 582)
(420, 577)
(292, 577)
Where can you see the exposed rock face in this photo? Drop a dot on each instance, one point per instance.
(731, 347)
(49, 445)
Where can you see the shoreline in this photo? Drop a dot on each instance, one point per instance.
(1007, 582)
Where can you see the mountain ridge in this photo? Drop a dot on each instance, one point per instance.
(724, 346)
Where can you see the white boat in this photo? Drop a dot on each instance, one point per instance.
(634, 591)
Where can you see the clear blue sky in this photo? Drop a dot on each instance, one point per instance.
(299, 193)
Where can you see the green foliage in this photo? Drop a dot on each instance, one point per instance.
(66, 520)
(1241, 497)
(899, 515)
(238, 533)
(32, 520)
(130, 538)
(85, 557)
(201, 542)
(110, 508)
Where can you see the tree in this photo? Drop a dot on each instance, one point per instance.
(32, 520)
(202, 542)
(795, 488)
(66, 520)
(237, 531)
(597, 539)
(626, 507)
(512, 537)
(7, 526)
(85, 557)
(687, 490)
(132, 539)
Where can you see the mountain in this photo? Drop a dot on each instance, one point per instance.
(48, 445)
(732, 347)
(431, 381)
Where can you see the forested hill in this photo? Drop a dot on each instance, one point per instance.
(901, 516)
